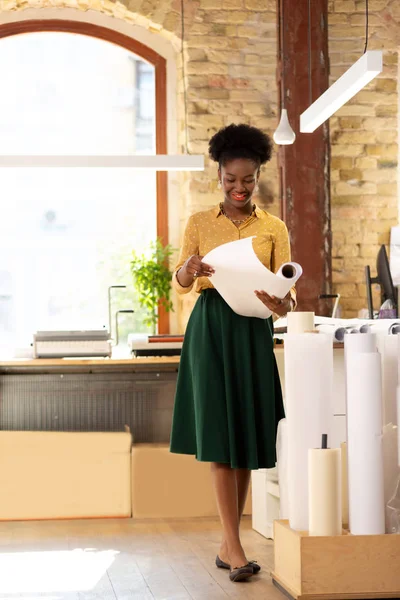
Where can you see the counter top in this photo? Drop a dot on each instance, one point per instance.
(51, 365)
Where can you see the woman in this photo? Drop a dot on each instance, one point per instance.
(228, 401)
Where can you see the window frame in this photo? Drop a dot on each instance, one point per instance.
(160, 66)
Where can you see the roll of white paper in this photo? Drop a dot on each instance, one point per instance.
(300, 322)
(324, 491)
(238, 273)
(338, 333)
(282, 462)
(389, 349)
(381, 325)
(354, 344)
(364, 442)
(363, 342)
(308, 384)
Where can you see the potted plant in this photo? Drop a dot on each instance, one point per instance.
(152, 280)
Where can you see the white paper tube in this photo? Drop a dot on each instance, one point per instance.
(381, 325)
(389, 349)
(324, 491)
(337, 333)
(300, 322)
(308, 384)
(365, 342)
(345, 486)
(364, 442)
(282, 463)
(354, 344)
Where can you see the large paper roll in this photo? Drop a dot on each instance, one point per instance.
(282, 462)
(300, 322)
(362, 342)
(353, 344)
(364, 443)
(345, 486)
(324, 491)
(389, 349)
(308, 384)
(238, 273)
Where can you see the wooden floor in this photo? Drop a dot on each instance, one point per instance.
(125, 560)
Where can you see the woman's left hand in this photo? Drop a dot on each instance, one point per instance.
(276, 305)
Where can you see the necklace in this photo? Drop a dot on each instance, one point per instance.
(237, 221)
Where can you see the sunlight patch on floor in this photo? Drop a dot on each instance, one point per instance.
(52, 572)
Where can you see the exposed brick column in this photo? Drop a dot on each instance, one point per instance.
(305, 188)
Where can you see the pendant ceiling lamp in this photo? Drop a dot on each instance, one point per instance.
(284, 134)
(348, 85)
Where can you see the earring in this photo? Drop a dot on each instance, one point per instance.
(257, 188)
(219, 185)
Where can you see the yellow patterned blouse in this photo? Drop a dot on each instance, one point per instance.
(208, 229)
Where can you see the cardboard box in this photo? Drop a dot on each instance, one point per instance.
(335, 568)
(166, 485)
(58, 475)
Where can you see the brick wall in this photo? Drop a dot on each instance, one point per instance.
(230, 63)
(364, 168)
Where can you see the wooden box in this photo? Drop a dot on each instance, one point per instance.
(339, 567)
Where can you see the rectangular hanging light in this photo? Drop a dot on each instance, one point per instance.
(352, 81)
(156, 162)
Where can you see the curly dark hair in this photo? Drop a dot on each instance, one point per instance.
(240, 141)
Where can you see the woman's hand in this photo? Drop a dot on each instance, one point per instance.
(193, 268)
(276, 305)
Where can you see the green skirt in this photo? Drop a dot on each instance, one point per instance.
(228, 400)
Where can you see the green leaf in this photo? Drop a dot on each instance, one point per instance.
(152, 280)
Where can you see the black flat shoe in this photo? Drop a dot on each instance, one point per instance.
(252, 563)
(241, 573)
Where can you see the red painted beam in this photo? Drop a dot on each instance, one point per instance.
(305, 165)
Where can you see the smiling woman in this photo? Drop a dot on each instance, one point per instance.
(228, 401)
(70, 232)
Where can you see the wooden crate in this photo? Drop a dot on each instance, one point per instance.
(336, 568)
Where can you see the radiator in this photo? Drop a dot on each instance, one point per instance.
(90, 402)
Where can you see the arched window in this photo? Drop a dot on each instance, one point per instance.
(71, 88)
